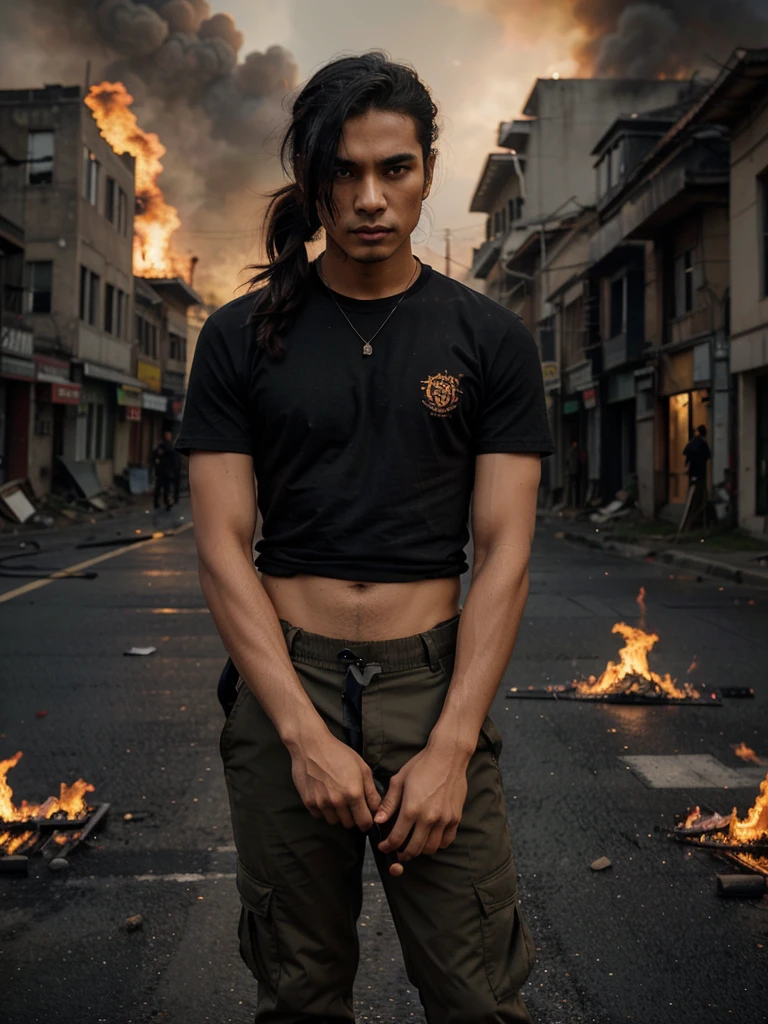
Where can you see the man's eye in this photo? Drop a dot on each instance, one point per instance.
(397, 172)
(343, 172)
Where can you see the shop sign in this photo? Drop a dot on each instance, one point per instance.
(133, 413)
(129, 397)
(154, 403)
(570, 407)
(550, 370)
(149, 374)
(579, 377)
(589, 395)
(15, 366)
(16, 341)
(65, 394)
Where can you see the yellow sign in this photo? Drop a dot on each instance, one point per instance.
(149, 375)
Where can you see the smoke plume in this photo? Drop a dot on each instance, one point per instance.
(638, 39)
(216, 114)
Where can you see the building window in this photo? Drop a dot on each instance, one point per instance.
(520, 203)
(91, 175)
(94, 294)
(763, 186)
(122, 212)
(178, 348)
(83, 292)
(119, 313)
(616, 307)
(109, 308)
(153, 329)
(684, 283)
(488, 229)
(110, 201)
(40, 279)
(40, 158)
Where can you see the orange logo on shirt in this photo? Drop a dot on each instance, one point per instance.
(442, 393)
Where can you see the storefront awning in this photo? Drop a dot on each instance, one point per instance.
(106, 373)
(16, 367)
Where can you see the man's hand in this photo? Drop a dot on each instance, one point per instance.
(429, 791)
(334, 782)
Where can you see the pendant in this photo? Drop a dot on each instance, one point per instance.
(367, 349)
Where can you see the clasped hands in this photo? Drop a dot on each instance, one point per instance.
(425, 799)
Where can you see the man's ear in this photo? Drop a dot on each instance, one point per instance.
(429, 173)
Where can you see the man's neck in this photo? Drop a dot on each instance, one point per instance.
(368, 280)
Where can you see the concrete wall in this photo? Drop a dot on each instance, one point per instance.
(749, 306)
(571, 115)
(65, 228)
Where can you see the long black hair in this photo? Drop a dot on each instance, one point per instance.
(347, 87)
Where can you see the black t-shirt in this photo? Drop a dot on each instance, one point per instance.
(697, 453)
(365, 464)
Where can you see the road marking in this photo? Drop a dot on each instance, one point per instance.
(63, 573)
(691, 771)
(184, 878)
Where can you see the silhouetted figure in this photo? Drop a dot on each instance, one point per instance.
(164, 460)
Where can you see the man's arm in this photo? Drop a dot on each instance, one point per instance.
(332, 780)
(431, 788)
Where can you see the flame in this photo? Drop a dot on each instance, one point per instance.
(755, 825)
(631, 674)
(155, 220)
(640, 599)
(746, 753)
(70, 802)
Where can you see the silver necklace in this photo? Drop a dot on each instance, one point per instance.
(367, 344)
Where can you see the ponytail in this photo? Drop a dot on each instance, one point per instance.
(289, 226)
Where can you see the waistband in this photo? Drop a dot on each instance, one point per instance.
(393, 655)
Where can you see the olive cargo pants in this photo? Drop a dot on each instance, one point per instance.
(465, 945)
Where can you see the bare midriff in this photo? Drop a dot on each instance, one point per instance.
(362, 611)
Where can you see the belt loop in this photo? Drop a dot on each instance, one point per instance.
(290, 637)
(428, 639)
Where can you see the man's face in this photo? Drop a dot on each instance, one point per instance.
(380, 182)
(167, 435)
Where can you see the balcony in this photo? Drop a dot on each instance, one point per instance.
(485, 257)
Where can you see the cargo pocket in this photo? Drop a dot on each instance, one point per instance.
(491, 738)
(508, 952)
(258, 936)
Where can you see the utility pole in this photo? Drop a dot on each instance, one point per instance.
(447, 252)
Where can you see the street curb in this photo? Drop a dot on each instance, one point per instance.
(706, 566)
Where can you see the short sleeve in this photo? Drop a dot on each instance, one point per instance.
(215, 412)
(513, 417)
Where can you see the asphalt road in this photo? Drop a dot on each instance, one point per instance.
(646, 941)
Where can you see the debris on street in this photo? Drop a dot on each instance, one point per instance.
(134, 922)
(629, 680)
(140, 652)
(601, 864)
(55, 827)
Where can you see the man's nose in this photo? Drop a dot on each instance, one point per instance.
(370, 195)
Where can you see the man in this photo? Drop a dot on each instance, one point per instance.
(697, 453)
(573, 469)
(372, 397)
(164, 460)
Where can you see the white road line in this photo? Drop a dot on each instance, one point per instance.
(186, 879)
(36, 584)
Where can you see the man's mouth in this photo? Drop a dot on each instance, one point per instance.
(375, 233)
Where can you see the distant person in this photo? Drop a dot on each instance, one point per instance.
(697, 453)
(573, 470)
(164, 462)
(373, 398)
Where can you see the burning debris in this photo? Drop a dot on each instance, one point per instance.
(55, 826)
(742, 840)
(629, 680)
